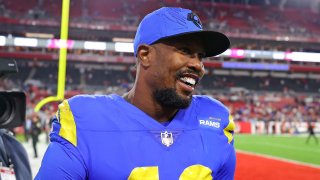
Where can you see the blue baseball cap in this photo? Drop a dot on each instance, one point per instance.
(168, 22)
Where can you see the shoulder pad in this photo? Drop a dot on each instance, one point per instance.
(68, 128)
(213, 110)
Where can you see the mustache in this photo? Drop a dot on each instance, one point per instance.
(180, 73)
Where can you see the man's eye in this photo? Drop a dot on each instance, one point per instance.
(189, 52)
(185, 50)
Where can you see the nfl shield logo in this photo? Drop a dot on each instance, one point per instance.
(166, 138)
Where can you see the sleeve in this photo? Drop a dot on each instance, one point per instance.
(229, 130)
(63, 160)
(227, 171)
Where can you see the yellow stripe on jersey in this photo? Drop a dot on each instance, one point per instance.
(68, 126)
(229, 129)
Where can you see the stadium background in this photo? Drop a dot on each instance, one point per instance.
(269, 78)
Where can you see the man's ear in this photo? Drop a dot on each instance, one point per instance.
(144, 55)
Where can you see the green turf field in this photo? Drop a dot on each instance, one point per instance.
(288, 147)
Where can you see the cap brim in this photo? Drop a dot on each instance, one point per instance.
(214, 43)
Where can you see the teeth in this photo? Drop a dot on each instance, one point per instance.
(189, 80)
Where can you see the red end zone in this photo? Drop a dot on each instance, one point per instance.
(258, 167)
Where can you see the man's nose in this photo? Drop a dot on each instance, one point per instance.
(196, 64)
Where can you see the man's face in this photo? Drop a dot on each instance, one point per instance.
(176, 70)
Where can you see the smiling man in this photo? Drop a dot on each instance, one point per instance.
(159, 129)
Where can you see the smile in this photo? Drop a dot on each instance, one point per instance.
(189, 81)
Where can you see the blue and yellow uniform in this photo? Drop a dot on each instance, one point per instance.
(105, 137)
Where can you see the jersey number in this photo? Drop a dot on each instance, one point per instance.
(190, 173)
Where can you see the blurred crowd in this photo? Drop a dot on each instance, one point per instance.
(290, 110)
(250, 99)
(260, 104)
(297, 18)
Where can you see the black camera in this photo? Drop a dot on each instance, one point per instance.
(12, 103)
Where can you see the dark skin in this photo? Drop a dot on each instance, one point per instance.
(157, 68)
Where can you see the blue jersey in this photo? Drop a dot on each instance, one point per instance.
(105, 137)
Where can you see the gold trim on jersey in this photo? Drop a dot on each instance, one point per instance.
(229, 129)
(68, 127)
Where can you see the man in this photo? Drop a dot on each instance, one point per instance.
(14, 162)
(311, 132)
(158, 130)
(35, 131)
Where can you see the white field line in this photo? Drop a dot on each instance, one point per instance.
(280, 159)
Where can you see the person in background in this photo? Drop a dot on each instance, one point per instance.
(14, 161)
(311, 132)
(35, 131)
(157, 130)
(46, 123)
(27, 128)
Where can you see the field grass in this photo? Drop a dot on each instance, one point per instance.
(288, 147)
(20, 137)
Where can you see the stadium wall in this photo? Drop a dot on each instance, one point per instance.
(277, 128)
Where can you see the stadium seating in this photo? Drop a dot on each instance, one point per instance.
(239, 18)
(249, 97)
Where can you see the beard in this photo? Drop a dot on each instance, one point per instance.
(169, 98)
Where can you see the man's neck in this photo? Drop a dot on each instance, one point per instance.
(146, 103)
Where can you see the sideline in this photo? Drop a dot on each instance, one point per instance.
(41, 147)
(279, 159)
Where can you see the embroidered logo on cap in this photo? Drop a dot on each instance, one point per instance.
(195, 19)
